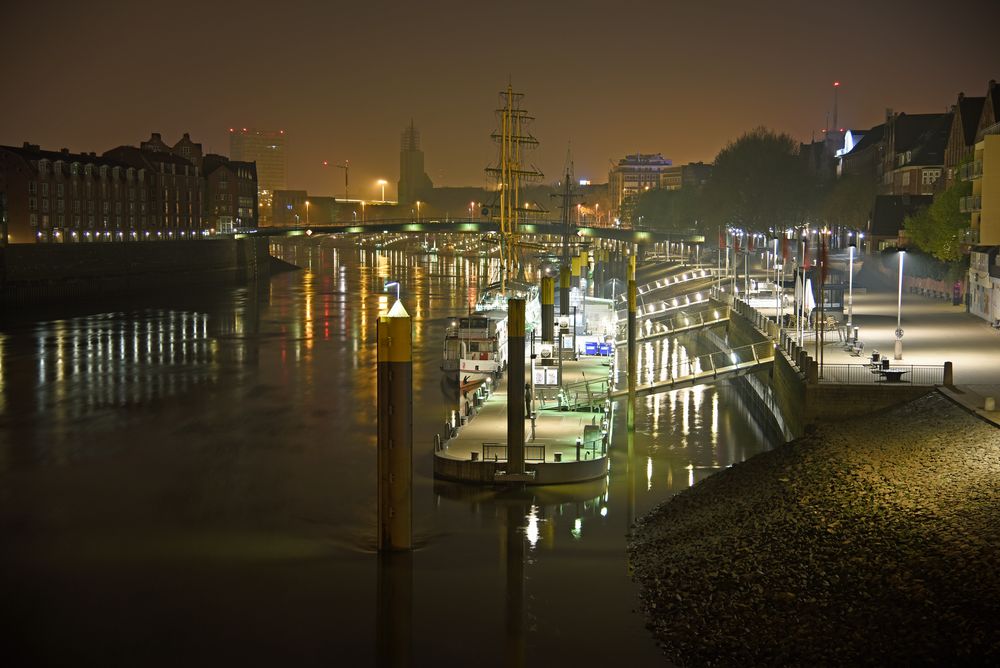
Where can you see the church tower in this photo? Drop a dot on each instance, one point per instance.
(414, 184)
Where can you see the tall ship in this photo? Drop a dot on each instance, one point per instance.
(475, 345)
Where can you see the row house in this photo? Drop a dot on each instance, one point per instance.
(231, 193)
(983, 171)
(61, 196)
(127, 194)
(863, 154)
(962, 136)
(176, 192)
(913, 158)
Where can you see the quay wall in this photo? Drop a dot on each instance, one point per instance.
(30, 273)
(799, 395)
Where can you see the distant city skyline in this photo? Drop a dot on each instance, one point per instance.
(678, 80)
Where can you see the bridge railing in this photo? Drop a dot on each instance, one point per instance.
(711, 364)
(589, 392)
(681, 321)
(676, 279)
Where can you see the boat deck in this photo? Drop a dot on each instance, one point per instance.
(551, 450)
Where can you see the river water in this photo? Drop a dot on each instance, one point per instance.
(190, 479)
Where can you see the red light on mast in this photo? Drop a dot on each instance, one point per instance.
(325, 163)
(836, 84)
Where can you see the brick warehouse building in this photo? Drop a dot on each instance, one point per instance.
(126, 194)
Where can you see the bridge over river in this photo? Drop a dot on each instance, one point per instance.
(472, 226)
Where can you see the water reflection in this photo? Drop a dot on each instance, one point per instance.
(250, 414)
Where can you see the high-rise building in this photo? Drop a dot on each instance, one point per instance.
(267, 149)
(634, 174)
(414, 184)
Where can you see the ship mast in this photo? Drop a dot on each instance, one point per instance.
(514, 139)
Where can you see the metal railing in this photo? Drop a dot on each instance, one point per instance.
(680, 322)
(871, 374)
(970, 204)
(534, 453)
(494, 451)
(676, 279)
(590, 393)
(711, 365)
(971, 170)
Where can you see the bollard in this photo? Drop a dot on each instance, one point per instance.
(548, 309)
(394, 632)
(949, 374)
(564, 290)
(633, 367)
(515, 386)
(990, 404)
(395, 429)
(812, 376)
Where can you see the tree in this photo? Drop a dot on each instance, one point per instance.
(937, 230)
(675, 210)
(849, 202)
(759, 183)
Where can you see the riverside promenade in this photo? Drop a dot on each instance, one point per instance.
(934, 332)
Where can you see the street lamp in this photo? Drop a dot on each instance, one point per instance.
(382, 182)
(850, 285)
(472, 206)
(899, 309)
(392, 284)
(307, 212)
(418, 211)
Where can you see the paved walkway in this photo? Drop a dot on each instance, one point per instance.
(935, 332)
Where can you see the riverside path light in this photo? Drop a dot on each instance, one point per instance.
(382, 183)
(850, 285)
(899, 309)
(392, 284)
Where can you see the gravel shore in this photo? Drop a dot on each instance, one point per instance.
(873, 541)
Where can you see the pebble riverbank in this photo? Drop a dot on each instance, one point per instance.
(874, 541)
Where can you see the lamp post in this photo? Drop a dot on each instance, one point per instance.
(307, 213)
(418, 211)
(899, 309)
(382, 182)
(850, 285)
(472, 206)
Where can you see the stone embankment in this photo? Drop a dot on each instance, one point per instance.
(874, 541)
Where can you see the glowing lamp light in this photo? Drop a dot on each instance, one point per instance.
(836, 84)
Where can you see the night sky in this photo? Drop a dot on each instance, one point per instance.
(342, 79)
